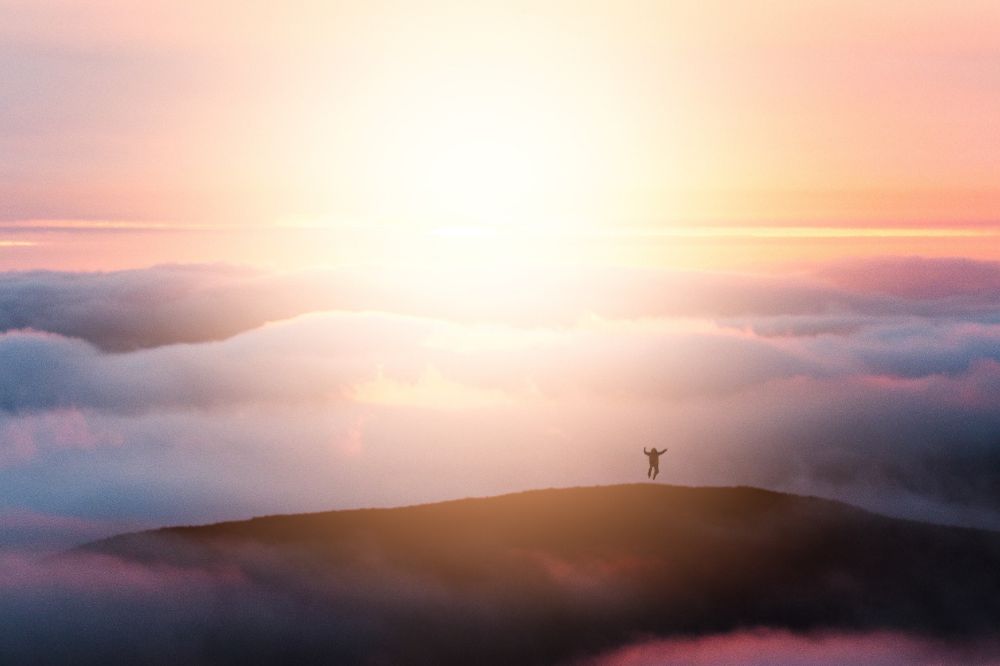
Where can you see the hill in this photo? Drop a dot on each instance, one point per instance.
(547, 575)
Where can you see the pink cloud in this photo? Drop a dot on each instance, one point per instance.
(766, 647)
(917, 277)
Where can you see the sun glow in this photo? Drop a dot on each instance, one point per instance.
(431, 391)
(510, 132)
(488, 160)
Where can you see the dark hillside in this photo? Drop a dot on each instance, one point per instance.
(545, 575)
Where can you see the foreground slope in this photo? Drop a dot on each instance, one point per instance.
(551, 574)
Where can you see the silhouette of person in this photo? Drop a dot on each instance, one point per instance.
(654, 461)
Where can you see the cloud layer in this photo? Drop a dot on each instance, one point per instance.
(875, 382)
(128, 310)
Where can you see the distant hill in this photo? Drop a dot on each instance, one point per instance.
(547, 575)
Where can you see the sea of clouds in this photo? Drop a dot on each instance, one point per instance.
(181, 394)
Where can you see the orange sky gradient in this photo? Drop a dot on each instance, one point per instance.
(321, 133)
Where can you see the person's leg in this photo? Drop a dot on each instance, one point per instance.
(656, 472)
(649, 472)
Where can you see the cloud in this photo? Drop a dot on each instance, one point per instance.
(325, 356)
(762, 647)
(919, 278)
(815, 386)
(321, 356)
(128, 310)
(924, 448)
(306, 359)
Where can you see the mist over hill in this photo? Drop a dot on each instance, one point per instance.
(552, 575)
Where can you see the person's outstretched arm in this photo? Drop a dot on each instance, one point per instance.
(645, 451)
(663, 451)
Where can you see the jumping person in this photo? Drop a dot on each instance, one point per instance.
(654, 461)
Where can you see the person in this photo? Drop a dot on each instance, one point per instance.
(654, 461)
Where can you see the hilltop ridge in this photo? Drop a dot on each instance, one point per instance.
(577, 570)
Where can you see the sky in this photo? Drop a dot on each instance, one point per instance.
(270, 258)
(264, 258)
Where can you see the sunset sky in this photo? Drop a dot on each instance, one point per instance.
(317, 133)
(277, 257)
